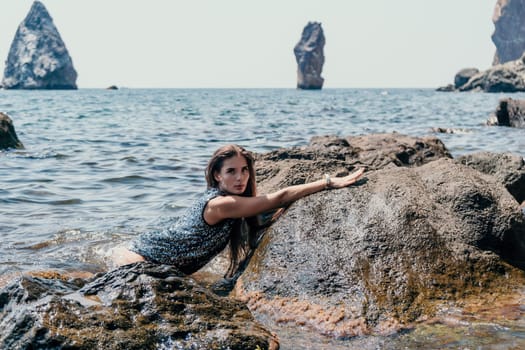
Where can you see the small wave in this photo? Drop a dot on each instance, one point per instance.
(130, 179)
(23, 199)
(130, 159)
(71, 201)
(134, 144)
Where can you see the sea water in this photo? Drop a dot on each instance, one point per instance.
(101, 166)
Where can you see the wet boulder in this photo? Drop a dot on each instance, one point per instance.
(397, 248)
(38, 57)
(309, 54)
(139, 306)
(8, 137)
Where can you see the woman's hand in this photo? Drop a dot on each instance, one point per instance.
(340, 182)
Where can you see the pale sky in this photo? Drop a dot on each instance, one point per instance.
(249, 44)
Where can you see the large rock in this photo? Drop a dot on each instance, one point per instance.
(397, 248)
(38, 58)
(139, 306)
(509, 30)
(8, 138)
(309, 55)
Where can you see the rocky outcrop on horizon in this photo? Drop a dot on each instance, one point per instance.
(509, 30)
(309, 54)
(507, 73)
(506, 77)
(8, 137)
(38, 58)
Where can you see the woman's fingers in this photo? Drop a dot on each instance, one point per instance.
(358, 172)
(339, 182)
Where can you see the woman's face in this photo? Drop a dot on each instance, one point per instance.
(233, 176)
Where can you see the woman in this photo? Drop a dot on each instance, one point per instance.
(218, 217)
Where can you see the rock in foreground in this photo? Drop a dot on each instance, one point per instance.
(139, 306)
(393, 250)
(38, 58)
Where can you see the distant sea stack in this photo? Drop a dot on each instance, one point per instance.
(38, 58)
(509, 30)
(310, 57)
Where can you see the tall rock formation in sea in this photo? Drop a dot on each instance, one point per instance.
(310, 57)
(509, 31)
(38, 58)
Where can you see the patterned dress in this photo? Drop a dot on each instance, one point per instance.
(188, 244)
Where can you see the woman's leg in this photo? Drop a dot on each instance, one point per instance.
(123, 256)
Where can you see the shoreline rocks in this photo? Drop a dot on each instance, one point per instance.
(139, 306)
(38, 57)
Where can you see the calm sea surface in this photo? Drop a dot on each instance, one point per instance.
(101, 166)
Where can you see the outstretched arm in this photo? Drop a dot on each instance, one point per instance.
(223, 207)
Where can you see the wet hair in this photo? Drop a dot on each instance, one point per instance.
(244, 228)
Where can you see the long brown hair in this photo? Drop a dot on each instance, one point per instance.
(237, 241)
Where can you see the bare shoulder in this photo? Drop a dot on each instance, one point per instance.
(232, 206)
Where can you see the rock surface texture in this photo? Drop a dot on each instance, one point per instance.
(509, 30)
(507, 168)
(394, 249)
(38, 58)
(8, 138)
(309, 54)
(139, 306)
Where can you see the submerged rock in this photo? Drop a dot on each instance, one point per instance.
(309, 55)
(509, 112)
(139, 306)
(397, 248)
(509, 31)
(8, 137)
(38, 58)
